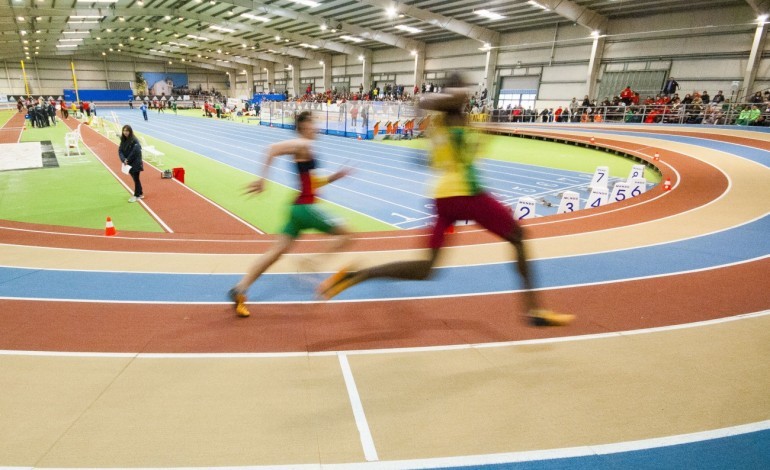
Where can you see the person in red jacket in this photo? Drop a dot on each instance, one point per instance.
(627, 95)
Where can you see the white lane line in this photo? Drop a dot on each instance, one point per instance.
(370, 453)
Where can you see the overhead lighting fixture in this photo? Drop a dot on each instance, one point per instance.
(351, 38)
(255, 17)
(391, 12)
(85, 17)
(77, 32)
(71, 40)
(324, 27)
(220, 28)
(199, 38)
(490, 14)
(485, 47)
(762, 18)
(20, 18)
(309, 46)
(307, 3)
(97, 1)
(64, 46)
(408, 29)
(167, 17)
(360, 57)
(537, 4)
(83, 22)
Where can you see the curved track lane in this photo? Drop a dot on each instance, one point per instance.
(693, 254)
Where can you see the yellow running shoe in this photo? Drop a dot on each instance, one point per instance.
(240, 303)
(549, 318)
(336, 283)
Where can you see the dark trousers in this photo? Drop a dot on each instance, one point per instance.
(137, 184)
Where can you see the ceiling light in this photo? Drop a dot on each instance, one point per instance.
(104, 53)
(360, 57)
(20, 18)
(537, 4)
(77, 32)
(320, 62)
(485, 47)
(140, 2)
(85, 17)
(22, 32)
(307, 3)
(255, 17)
(391, 12)
(324, 27)
(278, 38)
(166, 17)
(334, 30)
(220, 28)
(489, 14)
(762, 18)
(408, 29)
(70, 40)
(351, 38)
(414, 53)
(62, 46)
(97, 1)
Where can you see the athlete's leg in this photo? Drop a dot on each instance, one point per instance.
(238, 293)
(492, 215)
(416, 270)
(280, 247)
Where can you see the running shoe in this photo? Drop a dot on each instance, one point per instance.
(239, 300)
(549, 318)
(132, 199)
(336, 283)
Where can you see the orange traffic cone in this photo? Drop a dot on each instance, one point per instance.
(656, 157)
(109, 229)
(593, 141)
(667, 185)
(359, 137)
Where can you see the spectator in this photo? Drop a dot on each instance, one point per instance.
(573, 108)
(757, 98)
(670, 87)
(705, 97)
(627, 95)
(718, 98)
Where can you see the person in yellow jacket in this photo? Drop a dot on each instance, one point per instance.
(458, 196)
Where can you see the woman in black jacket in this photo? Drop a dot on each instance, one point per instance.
(130, 153)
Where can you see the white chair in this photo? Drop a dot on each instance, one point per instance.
(151, 152)
(72, 141)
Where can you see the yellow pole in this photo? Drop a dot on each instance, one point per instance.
(24, 74)
(75, 81)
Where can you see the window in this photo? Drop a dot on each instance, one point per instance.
(523, 98)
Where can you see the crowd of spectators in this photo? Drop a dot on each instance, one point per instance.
(697, 107)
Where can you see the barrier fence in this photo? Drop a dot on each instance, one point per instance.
(362, 119)
(714, 114)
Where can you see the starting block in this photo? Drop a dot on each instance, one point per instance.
(525, 209)
(637, 171)
(601, 175)
(638, 186)
(620, 192)
(570, 202)
(598, 197)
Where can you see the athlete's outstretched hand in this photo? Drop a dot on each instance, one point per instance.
(256, 187)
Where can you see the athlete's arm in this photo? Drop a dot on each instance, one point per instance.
(275, 150)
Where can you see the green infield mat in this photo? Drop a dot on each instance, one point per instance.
(80, 192)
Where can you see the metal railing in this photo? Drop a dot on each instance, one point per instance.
(714, 114)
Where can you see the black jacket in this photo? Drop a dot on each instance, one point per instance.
(130, 152)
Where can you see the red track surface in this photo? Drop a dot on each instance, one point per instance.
(62, 326)
(9, 134)
(118, 327)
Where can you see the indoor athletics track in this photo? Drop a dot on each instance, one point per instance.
(122, 352)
